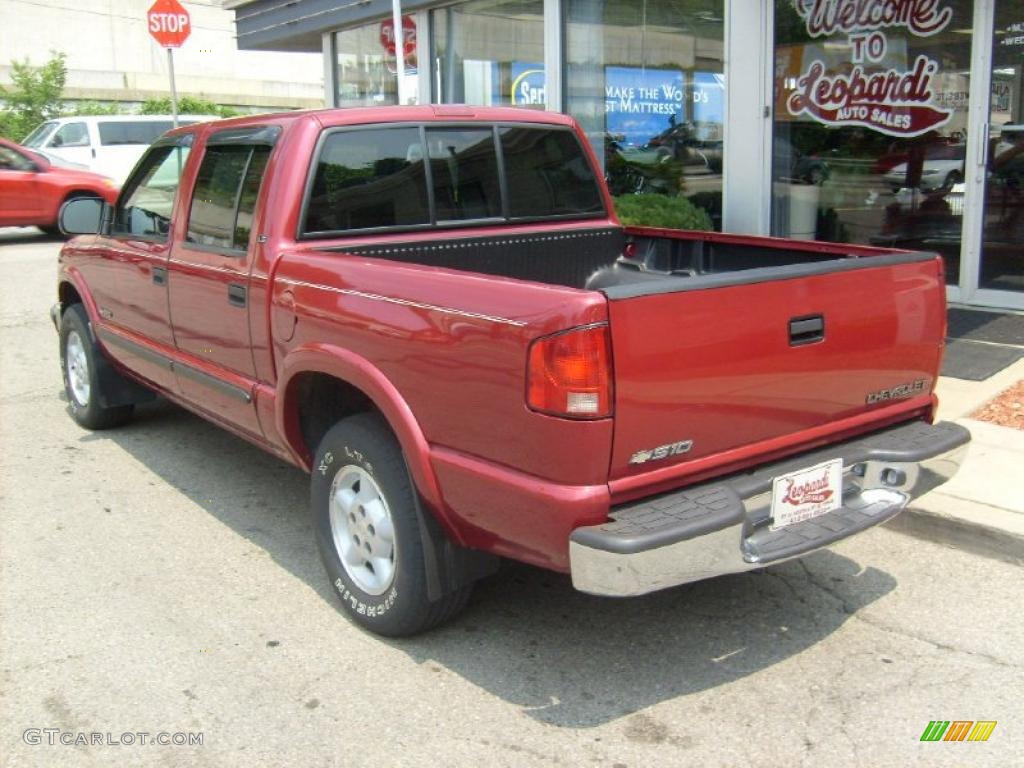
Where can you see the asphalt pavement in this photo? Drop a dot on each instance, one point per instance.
(162, 578)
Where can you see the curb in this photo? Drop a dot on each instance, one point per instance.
(994, 541)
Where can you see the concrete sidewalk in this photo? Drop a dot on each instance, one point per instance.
(981, 510)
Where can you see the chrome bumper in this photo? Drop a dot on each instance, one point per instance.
(724, 527)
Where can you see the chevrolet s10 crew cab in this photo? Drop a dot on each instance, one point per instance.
(435, 312)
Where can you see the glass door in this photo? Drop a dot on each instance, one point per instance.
(1001, 269)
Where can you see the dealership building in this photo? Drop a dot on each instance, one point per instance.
(887, 122)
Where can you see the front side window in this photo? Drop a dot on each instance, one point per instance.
(14, 161)
(148, 196)
(71, 135)
(38, 137)
(224, 196)
(548, 174)
(367, 179)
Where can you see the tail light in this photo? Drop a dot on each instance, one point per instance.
(569, 374)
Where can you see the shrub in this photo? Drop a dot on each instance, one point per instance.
(187, 105)
(661, 211)
(84, 108)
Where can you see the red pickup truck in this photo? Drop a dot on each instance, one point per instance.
(434, 311)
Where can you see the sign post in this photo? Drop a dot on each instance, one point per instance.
(399, 37)
(401, 45)
(170, 25)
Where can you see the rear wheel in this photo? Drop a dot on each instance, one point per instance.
(79, 358)
(367, 528)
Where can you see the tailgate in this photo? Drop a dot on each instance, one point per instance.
(754, 359)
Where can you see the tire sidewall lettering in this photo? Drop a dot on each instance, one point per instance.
(362, 608)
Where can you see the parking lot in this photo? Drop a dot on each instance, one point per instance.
(162, 578)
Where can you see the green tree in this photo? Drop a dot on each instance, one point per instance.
(33, 96)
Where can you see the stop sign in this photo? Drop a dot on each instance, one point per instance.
(168, 23)
(387, 36)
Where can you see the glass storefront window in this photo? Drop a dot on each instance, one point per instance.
(489, 52)
(870, 123)
(645, 79)
(365, 70)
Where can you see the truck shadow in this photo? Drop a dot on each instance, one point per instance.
(565, 658)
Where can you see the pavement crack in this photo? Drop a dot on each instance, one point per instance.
(900, 632)
(852, 611)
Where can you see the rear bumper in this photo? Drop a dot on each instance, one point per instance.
(724, 526)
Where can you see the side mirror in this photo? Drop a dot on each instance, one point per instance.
(82, 216)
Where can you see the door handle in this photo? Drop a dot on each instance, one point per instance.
(236, 294)
(806, 330)
(160, 275)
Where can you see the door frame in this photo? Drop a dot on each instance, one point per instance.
(979, 105)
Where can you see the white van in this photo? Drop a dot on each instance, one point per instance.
(107, 144)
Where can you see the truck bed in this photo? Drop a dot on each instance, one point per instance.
(606, 257)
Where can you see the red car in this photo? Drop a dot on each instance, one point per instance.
(32, 188)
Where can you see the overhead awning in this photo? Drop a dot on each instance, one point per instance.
(298, 25)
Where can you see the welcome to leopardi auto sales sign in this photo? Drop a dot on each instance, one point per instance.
(895, 100)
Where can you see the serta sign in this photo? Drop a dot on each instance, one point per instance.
(896, 100)
(169, 23)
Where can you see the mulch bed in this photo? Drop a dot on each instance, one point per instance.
(1006, 409)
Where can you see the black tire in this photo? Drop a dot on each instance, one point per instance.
(952, 179)
(363, 446)
(85, 405)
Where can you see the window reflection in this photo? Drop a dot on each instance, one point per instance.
(645, 80)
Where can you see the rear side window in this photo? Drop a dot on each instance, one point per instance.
(142, 132)
(464, 173)
(224, 196)
(367, 179)
(547, 174)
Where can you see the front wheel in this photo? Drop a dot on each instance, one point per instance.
(368, 532)
(79, 362)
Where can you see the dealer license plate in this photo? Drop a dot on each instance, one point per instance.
(807, 493)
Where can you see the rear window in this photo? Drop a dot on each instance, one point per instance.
(143, 132)
(374, 178)
(464, 173)
(548, 174)
(367, 179)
